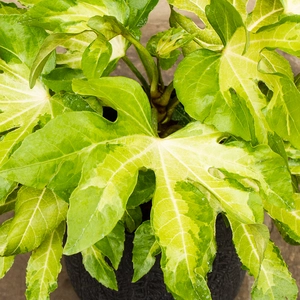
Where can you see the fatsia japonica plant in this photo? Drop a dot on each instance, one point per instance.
(222, 138)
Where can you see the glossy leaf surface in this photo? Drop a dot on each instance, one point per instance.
(37, 214)
(44, 266)
(190, 189)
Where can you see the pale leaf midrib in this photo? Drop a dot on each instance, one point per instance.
(29, 221)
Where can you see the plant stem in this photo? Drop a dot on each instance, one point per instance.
(165, 97)
(137, 73)
(148, 63)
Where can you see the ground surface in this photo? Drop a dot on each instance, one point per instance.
(12, 287)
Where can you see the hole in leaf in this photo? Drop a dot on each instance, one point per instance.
(4, 133)
(109, 113)
(250, 6)
(265, 90)
(1, 71)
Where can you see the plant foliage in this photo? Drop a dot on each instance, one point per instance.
(222, 138)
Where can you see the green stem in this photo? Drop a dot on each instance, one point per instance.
(148, 63)
(165, 97)
(137, 73)
(160, 78)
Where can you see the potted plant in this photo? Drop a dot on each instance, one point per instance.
(88, 151)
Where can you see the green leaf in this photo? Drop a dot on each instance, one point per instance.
(294, 159)
(37, 214)
(228, 24)
(111, 246)
(72, 16)
(164, 43)
(289, 219)
(6, 263)
(143, 190)
(164, 46)
(281, 112)
(139, 12)
(251, 241)
(96, 57)
(10, 9)
(4, 230)
(232, 177)
(73, 48)
(7, 203)
(60, 79)
(66, 102)
(202, 38)
(274, 281)
(132, 218)
(231, 91)
(264, 13)
(49, 45)
(44, 266)
(18, 42)
(145, 249)
(21, 106)
(197, 86)
(6, 187)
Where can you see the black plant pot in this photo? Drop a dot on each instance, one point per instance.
(224, 281)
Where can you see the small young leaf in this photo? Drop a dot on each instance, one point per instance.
(44, 266)
(164, 43)
(145, 248)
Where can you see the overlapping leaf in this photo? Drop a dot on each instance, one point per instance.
(224, 89)
(112, 247)
(274, 280)
(204, 37)
(20, 106)
(44, 266)
(196, 177)
(264, 13)
(37, 214)
(145, 248)
(80, 49)
(6, 262)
